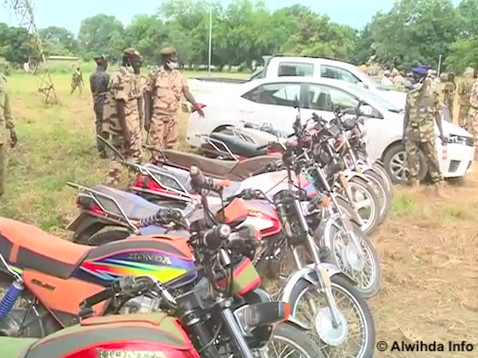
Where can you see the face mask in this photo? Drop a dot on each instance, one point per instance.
(172, 65)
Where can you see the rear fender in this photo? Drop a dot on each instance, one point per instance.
(85, 225)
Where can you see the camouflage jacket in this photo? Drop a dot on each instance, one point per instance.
(464, 91)
(167, 88)
(77, 77)
(6, 117)
(474, 96)
(99, 81)
(421, 108)
(123, 86)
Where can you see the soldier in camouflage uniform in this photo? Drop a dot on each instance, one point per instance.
(464, 91)
(6, 124)
(121, 113)
(166, 87)
(77, 81)
(99, 82)
(472, 118)
(447, 93)
(143, 86)
(422, 111)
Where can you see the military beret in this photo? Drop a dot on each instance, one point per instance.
(168, 51)
(131, 52)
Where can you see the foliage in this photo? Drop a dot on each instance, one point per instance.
(413, 32)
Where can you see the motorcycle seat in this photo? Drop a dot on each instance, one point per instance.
(239, 146)
(134, 206)
(222, 169)
(31, 248)
(214, 167)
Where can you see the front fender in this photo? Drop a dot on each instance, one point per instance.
(306, 274)
(349, 174)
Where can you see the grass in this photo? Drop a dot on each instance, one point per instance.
(427, 246)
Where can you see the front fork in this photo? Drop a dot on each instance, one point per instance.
(324, 282)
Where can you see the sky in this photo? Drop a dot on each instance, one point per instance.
(69, 13)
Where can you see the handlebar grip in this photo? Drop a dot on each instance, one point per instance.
(197, 178)
(213, 238)
(98, 297)
(199, 181)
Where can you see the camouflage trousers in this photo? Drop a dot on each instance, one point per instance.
(3, 167)
(98, 108)
(75, 85)
(133, 153)
(472, 121)
(163, 133)
(413, 160)
(463, 116)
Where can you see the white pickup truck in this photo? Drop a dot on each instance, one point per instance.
(282, 66)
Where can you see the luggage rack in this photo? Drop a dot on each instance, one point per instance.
(92, 193)
(216, 144)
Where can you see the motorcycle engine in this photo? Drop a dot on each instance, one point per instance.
(142, 304)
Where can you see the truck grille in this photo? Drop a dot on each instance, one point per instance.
(458, 139)
(454, 164)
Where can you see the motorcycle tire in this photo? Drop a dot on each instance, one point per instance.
(380, 169)
(369, 226)
(292, 336)
(384, 196)
(341, 285)
(372, 288)
(105, 237)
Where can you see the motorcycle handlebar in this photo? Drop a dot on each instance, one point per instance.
(163, 216)
(214, 238)
(199, 181)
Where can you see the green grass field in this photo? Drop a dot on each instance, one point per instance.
(427, 247)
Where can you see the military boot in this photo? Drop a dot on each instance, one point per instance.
(414, 185)
(439, 190)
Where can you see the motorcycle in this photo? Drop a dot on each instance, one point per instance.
(362, 191)
(221, 312)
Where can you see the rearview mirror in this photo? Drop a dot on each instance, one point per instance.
(366, 110)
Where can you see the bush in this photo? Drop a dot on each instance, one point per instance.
(6, 69)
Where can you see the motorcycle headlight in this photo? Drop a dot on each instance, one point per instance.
(262, 314)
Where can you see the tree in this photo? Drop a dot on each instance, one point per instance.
(101, 34)
(16, 44)
(59, 41)
(414, 32)
(147, 34)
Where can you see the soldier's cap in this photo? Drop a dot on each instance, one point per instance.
(101, 58)
(420, 70)
(168, 51)
(131, 52)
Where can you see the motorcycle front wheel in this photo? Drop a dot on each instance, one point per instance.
(354, 337)
(384, 195)
(365, 203)
(363, 267)
(289, 341)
